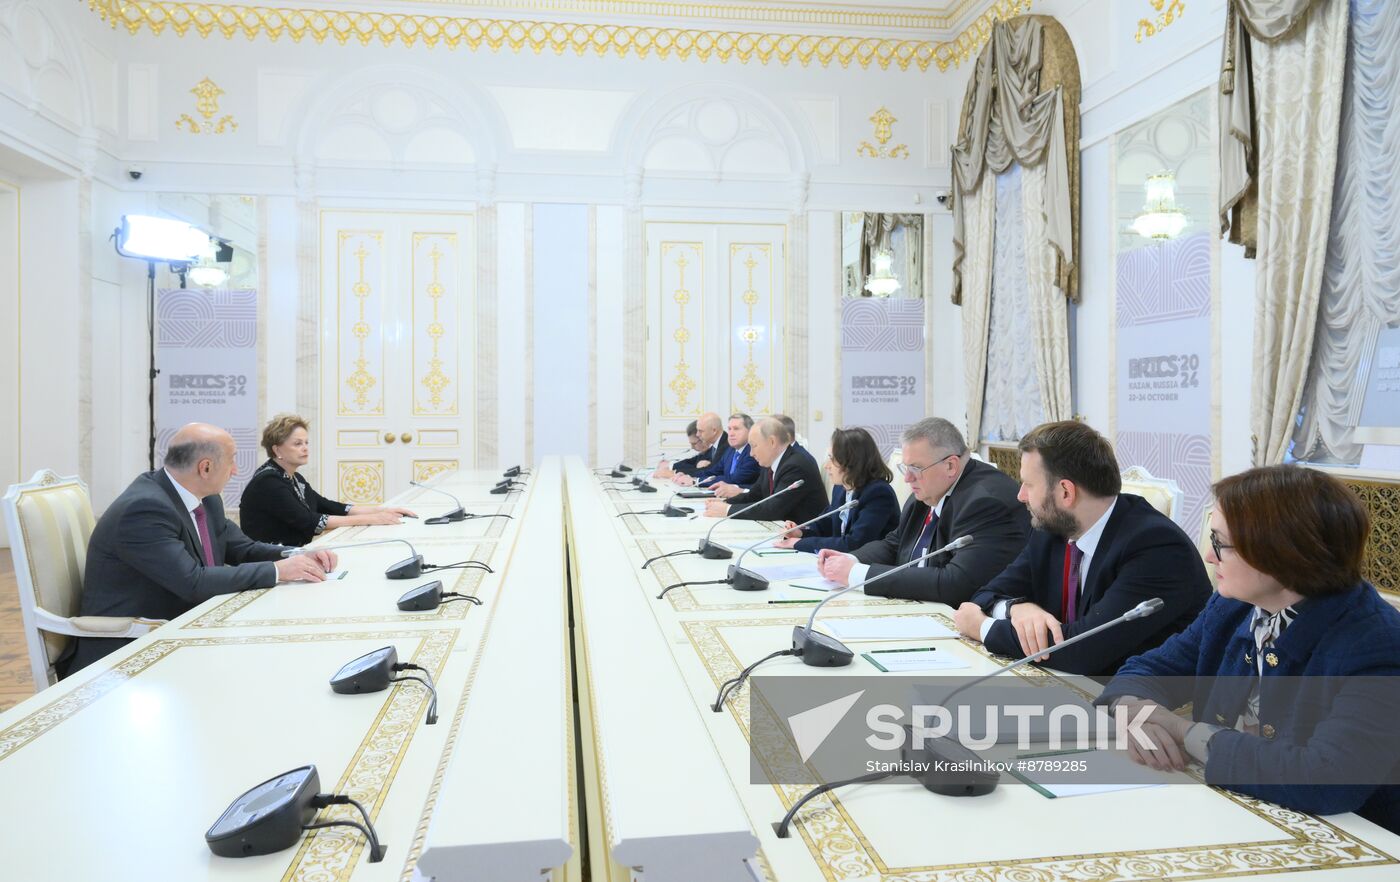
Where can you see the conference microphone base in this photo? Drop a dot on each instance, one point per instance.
(712, 551)
(672, 511)
(411, 568)
(948, 767)
(453, 516)
(745, 580)
(819, 650)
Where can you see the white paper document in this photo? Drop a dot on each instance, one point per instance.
(898, 661)
(786, 569)
(887, 628)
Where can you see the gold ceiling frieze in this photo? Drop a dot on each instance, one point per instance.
(411, 29)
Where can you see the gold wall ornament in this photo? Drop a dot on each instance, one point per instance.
(884, 130)
(750, 383)
(361, 481)
(206, 104)
(410, 29)
(427, 469)
(435, 380)
(682, 384)
(1148, 28)
(361, 380)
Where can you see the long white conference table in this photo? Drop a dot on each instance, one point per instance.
(575, 739)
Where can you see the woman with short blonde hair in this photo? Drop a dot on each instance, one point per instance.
(280, 506)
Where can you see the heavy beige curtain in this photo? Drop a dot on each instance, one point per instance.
(1021, 106)
(980, 215)
(1281, 97)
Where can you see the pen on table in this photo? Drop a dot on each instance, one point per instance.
(803, 600)
(415, 517)
(909, 649)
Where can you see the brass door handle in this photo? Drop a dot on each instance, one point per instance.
(388, 437)
(406, 437)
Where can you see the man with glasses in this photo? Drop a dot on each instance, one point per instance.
(1095, 554)
(952, 495)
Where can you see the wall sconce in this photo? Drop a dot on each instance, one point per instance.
(882, 282)
(1160, 218)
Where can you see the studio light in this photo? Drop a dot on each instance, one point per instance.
(160, 239)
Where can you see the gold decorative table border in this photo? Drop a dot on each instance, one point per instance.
(843, 851)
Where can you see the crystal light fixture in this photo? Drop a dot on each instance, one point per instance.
(1160, 218)
(882, 282)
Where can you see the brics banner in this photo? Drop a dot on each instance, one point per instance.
(1163, 367)
(207, 355)
(882, 366)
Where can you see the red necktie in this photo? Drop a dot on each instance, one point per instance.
(1069, 591)
(201, 520)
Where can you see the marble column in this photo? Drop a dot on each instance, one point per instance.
(487, 355)
(634, 321)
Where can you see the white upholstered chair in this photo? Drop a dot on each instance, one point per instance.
(901, 486)
(1164, 494)
(49, 520)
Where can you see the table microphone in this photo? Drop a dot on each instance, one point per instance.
(669, 510)
(410, 568)
(514, 472)
(747, 580)
(456, 514)
(947, 766)
(714, 551)
(820, 650)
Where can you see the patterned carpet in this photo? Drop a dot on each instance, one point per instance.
(15, 681)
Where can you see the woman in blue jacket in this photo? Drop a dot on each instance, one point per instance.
(1292, 666)
(857, 472)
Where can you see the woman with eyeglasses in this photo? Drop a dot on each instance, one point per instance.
(1291, 667)
(857, 472)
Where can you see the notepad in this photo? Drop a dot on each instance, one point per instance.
(898, 661)
(888, 628)
(1102, 772)
(787, 570)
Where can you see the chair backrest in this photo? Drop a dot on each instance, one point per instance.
(49, 520)
(901, 486)
(1163, 493)
(1005, 456)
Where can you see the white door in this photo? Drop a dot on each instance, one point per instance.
(715, 320)
(397, 350)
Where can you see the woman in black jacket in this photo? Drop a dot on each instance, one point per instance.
(857, 472)
(278, 505)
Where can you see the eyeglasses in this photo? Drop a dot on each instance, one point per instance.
(1216, 545)
(905, 470)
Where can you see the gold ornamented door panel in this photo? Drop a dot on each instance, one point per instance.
(397, 292)
(715, 333)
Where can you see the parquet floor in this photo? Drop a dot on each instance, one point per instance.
(15, 681)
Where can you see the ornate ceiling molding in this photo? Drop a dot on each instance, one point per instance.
(600, 39)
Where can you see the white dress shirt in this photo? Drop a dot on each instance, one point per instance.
(191, 502)
(1087, 544)
(860, 571)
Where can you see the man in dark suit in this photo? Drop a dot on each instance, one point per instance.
(783, 465)
(164, 546)
(1095, 554)
(712, 436)
(737, 469)
(952, 495)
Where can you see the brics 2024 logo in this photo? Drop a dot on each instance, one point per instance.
(1166, 367)
(884, 383)
(232, 384)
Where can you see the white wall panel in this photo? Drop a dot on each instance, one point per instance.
(510, 337)
(610, 239)
(560, 251)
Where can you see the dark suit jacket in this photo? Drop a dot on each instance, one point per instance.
(271, 510)
(1140, 555)
(982, 505)
(876, 514)
(144, 559)
(1327, 702)
(736, 467)
(802, 504)
(714, 453)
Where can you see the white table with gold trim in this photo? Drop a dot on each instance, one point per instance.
(116, 773)
(899, 831)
